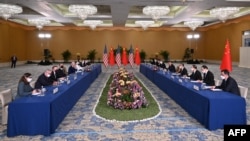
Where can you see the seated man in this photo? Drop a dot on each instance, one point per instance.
(61, 71)
(228, 83)
(44, 80)
(72, 68)
(208, 76)
(54, 75)
(171, 67)
(183, 70)
(196, 74)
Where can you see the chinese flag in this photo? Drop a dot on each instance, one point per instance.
(137, 57)
(111, 57)
(124, 57)
(226, 60)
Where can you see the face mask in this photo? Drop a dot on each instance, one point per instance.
(29, 79)
(48, 75)
(222, 77)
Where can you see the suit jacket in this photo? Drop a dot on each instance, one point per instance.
(72, 70)
(53, 76)
(60, 73)
(184, 72)
(163, 65)
(43, 81)
(196, 75)
(171, 68)
(209, 78)
(229, 85)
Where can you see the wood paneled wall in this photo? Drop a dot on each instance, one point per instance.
(27, 46)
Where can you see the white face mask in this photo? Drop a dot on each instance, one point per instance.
(29, 79)
(48, 75)
(222, 77)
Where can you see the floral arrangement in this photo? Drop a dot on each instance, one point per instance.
(125, 92)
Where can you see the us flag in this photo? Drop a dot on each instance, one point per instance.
(131, 56)
(105, 57)
(118, 57)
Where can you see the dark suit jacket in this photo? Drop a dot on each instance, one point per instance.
(171, 68)
(43, 81)
(163, 65)
(60, 73)
(209, 79)
(229, 85)
(53, 76)
(196, 75)
(184, 72)
(71, 70)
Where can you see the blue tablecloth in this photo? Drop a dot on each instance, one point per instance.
(41, 115)
(213, 109)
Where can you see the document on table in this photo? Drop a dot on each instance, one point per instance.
(216, 89)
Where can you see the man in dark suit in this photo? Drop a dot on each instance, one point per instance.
(44, 80)
(228, 83)
(196, 74)
(54, 75)
(208, 76)
(13, 61)
(162, 64)
(183, 71)
(171, 67)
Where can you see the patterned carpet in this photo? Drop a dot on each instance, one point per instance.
(82, 125)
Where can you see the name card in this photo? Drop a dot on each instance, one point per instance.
(196, 87)
(55, 90)
(180, 80)
(68, 82)
(75, 77)
(172, 77)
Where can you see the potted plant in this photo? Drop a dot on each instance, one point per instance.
(143, 55)
(91, 55)
(66, 55)
(165, 55)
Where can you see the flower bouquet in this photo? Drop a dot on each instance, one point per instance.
(125, 92)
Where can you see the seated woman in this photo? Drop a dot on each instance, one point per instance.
(24, 88)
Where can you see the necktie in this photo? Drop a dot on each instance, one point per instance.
(204, 75)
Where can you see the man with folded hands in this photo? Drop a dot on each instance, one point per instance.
(228, 83)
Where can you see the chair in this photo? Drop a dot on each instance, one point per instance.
(32, 84)
(243, 91)
(217, 82)
(6, 98)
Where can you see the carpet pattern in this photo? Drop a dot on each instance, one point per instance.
(81, 124)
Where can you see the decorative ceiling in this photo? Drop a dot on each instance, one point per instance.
(124, 13)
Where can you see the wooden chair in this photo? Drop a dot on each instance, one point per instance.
(6, 98)
(243, 91)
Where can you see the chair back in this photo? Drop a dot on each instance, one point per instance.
(243, 91)
(217, 82)
(32, 84)
(6, 97)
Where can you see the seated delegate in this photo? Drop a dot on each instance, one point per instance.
(196, 74)
(228, 83)
(44, 80)
(24, 88)
(208, 76)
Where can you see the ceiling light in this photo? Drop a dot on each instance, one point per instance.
(193, 24)
(144, 24)
(7, 10)
(92, 23)
(82, 11)
(156, 11)
(39, 23)
(223, 13)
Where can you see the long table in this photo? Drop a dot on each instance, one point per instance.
(213, 109)
(41, 115)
